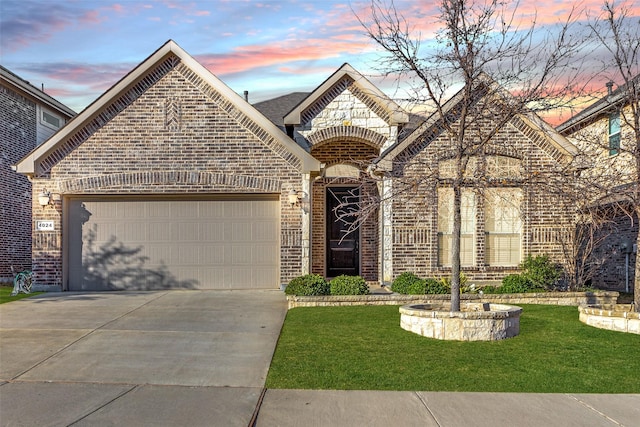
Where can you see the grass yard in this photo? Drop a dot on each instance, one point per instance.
(5, 294)
(363, 347)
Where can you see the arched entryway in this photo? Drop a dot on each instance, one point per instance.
(344, 237)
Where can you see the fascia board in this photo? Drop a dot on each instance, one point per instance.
(555, 138)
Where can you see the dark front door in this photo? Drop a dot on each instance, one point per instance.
(343, 241)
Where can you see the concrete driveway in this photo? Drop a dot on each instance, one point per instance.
(133, 358)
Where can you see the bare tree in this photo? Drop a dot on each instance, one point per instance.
(617, 33)
(503, 70)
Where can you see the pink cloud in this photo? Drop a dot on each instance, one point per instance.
(91, 17)
(245, 58)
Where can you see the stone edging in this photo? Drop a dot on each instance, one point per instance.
(551, 298)
(614, 318)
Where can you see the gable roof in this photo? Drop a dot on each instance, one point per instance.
(396, 115)
(430, 127)
(24, 86)
(603, 106)
(30, 163)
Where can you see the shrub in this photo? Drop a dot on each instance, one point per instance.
(515, 284)
(348, 285)
(405, 282)
(489, 289)
(310, 284)
(540, 271)
(433, 286)
(446, 282)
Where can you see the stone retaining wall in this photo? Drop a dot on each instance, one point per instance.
(614, 318)
(550, 298)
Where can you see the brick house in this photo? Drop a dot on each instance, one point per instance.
(506, 213)
(28, 116)
(603, 133)
(170, 179)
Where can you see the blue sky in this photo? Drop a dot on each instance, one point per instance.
(79, 48)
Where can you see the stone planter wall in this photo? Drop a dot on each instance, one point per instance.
(614, 318)
(550, 298)
(476, 321)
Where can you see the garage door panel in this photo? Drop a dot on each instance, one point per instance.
(159, 231)
(159, 209)
(264, 256)
(187, 232)
(212, 232)
(265, 231)
(150, 244)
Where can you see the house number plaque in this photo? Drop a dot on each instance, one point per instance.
(45, 226)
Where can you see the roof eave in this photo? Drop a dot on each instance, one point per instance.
(34, 92)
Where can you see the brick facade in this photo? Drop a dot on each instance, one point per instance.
(17, 137)
(415, 209)
(172, 134)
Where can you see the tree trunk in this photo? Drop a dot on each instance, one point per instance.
(636, 280)
(455, 249)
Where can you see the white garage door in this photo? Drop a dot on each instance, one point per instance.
(167, 244)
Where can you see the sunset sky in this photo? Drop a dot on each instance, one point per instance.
(79, 48)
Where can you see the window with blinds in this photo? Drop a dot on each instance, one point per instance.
(445, 226)
(503, 226)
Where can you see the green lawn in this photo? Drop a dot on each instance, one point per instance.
(363, 347)
(5, 294)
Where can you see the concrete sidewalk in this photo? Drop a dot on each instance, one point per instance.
(386, 408)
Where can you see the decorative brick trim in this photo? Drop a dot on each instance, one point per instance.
(357, 133)
(412, 235)
(322, 102)
(107, 114)
(80, 185)
(244, 120)
(291, 237)
(538, 138)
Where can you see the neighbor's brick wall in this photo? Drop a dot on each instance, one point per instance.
(611, 170)
(611, 274)
(415, 209)
(17, 138)
(179, 136)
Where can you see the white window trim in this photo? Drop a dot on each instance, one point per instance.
(43, 122)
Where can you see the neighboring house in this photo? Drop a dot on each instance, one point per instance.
(170, 179)
(28, 116)
(606, 139)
